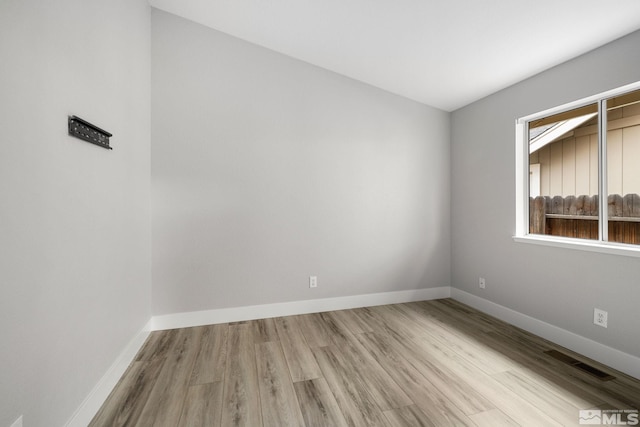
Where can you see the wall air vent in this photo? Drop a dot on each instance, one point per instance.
(88, 132)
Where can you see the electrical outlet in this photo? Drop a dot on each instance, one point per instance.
(600, 317)
(481, 283)
(313, 281)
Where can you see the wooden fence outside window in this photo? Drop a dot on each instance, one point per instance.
(577, 216)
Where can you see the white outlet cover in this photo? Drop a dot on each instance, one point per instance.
(600, 317)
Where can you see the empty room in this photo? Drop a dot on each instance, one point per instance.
(248, 213)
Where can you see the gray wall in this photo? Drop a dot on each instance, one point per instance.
(74, 217)
(266, 170)
(558, 286)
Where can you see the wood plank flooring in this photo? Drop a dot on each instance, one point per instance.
(432, 363)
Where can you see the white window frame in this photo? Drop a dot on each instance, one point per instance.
(522, 181)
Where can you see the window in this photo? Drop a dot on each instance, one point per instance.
(578, 170)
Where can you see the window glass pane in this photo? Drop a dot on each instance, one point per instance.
(563, 174)
(623, 168)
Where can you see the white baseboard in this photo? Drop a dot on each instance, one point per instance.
(18, 422)
(92, 403)
(616, 359)
(237, 314)
(87, 410)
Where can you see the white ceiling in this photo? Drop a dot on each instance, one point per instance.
(444, 53)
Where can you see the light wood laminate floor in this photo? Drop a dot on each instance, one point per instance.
(433, 363)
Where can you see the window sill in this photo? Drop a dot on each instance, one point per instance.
(580, 244)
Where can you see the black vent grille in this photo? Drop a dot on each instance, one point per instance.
(564, 358)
